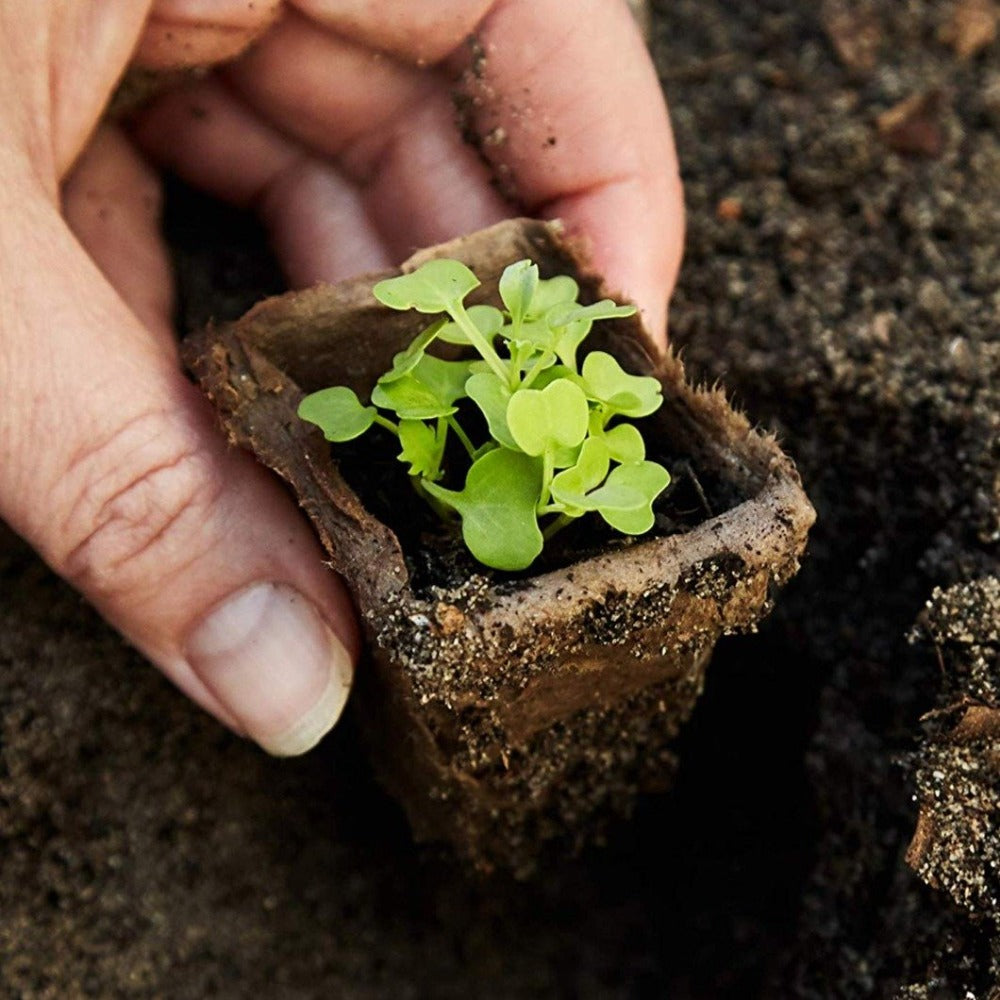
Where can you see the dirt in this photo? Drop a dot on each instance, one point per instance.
(850, 302)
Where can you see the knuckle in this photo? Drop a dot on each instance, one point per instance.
(137, 502)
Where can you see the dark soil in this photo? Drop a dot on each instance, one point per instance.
(843, 281)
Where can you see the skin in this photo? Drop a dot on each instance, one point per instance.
(334, 119)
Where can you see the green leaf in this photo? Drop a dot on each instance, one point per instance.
(429, 390)
(536, 334)
(488, 320)
(405, 361)
(625, 501)
(497, 507)
(445, 378)
(477, 365)
(625, 444)
(410, 399)
(541, 419)
(631, 395)
(535, 366)
(517, 287)
(570, 487)
(567, 338)
(433, 287)
(337, 412)
(563, 457)
(557, 373)
(553, 295)
(560, 290)
(572, 313)
(491, 394)
(420, 448)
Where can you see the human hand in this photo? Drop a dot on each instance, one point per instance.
(112, 465)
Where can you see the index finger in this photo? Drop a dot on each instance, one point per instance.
(568, 110)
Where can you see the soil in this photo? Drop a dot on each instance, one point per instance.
(843, 281)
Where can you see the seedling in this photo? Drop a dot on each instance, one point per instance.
(559, 445)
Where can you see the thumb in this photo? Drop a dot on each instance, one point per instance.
(112, 468)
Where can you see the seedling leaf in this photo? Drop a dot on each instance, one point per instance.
(561, 289)
(571, 486)
(445, 378)
(426, 392)
(497, 508)
(630, 395)
(626, 499)
(434, 287)
(558, 373)
(536, 333)
(568, 338)
(625, 444)
(405, 361)
(572, 313)
(338, 413)
(488, 320)
(545, 419)
(563, 458)
(420, 448)
(491, 394)
(517, 288)
(410, 399)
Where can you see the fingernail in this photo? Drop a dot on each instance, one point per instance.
(271, 659)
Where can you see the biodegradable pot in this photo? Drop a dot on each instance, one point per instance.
(507, 712)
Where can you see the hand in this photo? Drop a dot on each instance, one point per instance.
(338, 125)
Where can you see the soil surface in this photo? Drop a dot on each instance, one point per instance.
(842, 164)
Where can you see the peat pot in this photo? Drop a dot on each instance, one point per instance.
(509, 711)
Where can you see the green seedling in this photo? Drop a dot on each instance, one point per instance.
(559, 445)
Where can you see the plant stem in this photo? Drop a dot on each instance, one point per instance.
(516, 320)
(386, 423)
(488, 445)
(557, 525)
(462, 436)
(478, 341)
(536, 370)
(442, 510)
(548, 468)
(440, 442)
(518, 358)
(550, 508)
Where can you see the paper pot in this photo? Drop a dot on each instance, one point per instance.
(509, 712)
